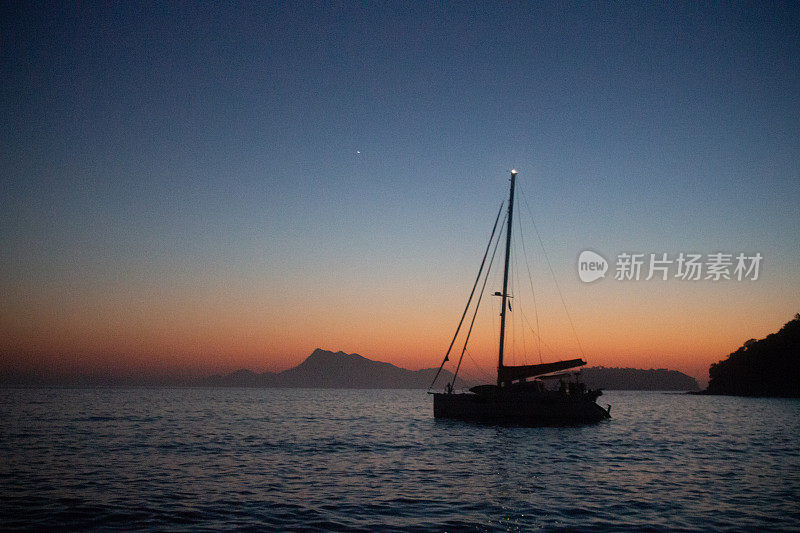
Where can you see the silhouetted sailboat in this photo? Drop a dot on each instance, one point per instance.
(513, 399)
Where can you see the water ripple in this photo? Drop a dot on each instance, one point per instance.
(210, 459)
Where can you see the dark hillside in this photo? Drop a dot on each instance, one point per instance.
(766, 367)
(637, 379)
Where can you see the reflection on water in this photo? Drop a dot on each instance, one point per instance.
(331, 459)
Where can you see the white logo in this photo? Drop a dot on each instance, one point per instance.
(591, 266)
(664, 266)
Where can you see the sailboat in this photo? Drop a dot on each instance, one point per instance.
(513, 399)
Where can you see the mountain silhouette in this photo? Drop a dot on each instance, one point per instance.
(337, 370)
(659, 379)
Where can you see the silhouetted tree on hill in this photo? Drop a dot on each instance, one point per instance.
(766, 367)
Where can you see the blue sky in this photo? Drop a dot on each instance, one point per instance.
(188, 145)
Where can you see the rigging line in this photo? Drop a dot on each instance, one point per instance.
(484, 373)
(533, 293)
(552, 273)
(496, 308)
(514, 283)
(509, 350)
(477, 304)
(471, 294)
(535, 333)
(519, 352)
(520, 322)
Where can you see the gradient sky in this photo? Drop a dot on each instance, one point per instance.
(182, 190)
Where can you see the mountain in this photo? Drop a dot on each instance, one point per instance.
(337, 370)
(766, 367)
(637, 379)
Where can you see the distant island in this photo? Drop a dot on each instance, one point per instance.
(336, 370)
(325, 369)
(659, 379)
(339, 370)
(766, 367)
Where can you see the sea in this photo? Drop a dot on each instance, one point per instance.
(376, 460)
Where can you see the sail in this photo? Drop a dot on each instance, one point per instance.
(507, 374)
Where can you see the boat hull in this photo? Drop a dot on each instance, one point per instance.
(518, 409)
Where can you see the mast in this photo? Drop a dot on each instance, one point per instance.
(505, 280)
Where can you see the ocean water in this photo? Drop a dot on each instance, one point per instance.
(193, 459)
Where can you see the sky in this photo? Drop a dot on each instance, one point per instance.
(196, 188)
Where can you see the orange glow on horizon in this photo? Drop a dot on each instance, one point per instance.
(219, 325)
(214, 331)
